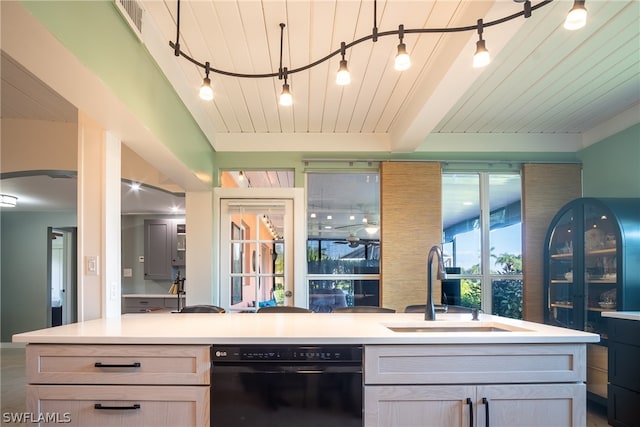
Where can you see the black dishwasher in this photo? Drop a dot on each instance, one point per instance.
(283, 385)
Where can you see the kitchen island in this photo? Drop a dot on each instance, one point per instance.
(159, 367)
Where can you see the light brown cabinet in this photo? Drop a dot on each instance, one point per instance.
(120, 385)
(475, 385)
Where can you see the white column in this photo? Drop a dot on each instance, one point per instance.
(199, 256)
(98, 221)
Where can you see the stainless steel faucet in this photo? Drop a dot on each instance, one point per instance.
(430, 309)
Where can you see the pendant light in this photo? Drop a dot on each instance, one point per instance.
(403, 60)
(343, 77)
(286, 99)
(577, 16)
(206, 92)
(481, 58)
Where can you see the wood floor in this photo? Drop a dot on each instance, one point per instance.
(12, 379)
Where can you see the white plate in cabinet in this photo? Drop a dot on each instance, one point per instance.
(118, 364)
(135, 406)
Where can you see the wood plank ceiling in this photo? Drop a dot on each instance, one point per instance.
(543, 78)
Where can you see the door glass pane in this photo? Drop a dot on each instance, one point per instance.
(600, 237)
(461, 222)
(505, 224)
(257, 248)
(343, 239)
(505, 240)
(561, 266)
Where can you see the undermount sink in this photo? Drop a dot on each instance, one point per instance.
(428, 328)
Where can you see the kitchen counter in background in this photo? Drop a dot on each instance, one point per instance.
(629, 315)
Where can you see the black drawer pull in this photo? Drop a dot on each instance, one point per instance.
(470, 403)
(486, 413)
(116, 408)
(117, 365)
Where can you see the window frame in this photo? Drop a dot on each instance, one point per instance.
(486, 276)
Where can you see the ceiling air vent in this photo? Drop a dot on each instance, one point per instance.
(132, 12)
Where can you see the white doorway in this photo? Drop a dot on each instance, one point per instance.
(61, 275)
(260, 237)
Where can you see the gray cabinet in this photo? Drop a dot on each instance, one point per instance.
(624, 372)
(592, 266)
(164, 248)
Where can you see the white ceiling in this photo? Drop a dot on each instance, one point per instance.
(544, 80)
(547, 89)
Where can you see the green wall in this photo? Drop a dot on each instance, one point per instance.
(24, 268)
(96, 33)
(611, 167)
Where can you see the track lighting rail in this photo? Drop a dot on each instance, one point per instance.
(284, 72)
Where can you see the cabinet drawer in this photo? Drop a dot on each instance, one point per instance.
(622, 407)
(136, 405)
(597, 357)
(466, 364)
(624, 369)
(624, 331)
(118, 364)
(172, 302)
(143, 304)
(597, 381)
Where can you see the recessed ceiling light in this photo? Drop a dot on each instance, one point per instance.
(313, 215)
(135, 186)
(8, 201)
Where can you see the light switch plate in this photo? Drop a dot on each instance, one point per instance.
(91, 265)
(127, 272)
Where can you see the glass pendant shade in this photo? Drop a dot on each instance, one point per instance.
(285, 97)
(343, 77)
(577, 17)
(206, 92)
(403, 60)
(481, 58)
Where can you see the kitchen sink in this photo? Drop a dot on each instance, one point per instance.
(439, 327)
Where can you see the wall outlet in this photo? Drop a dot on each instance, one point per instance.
(127, 272)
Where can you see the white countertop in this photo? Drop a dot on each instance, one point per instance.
(629, 315)
(290, 328)
(151, 296)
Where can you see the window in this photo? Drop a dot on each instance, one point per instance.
(483, 241)
(343, 240)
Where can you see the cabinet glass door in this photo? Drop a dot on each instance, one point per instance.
(562, 264)
(600, 259)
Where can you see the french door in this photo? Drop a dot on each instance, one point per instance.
(256, 253)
